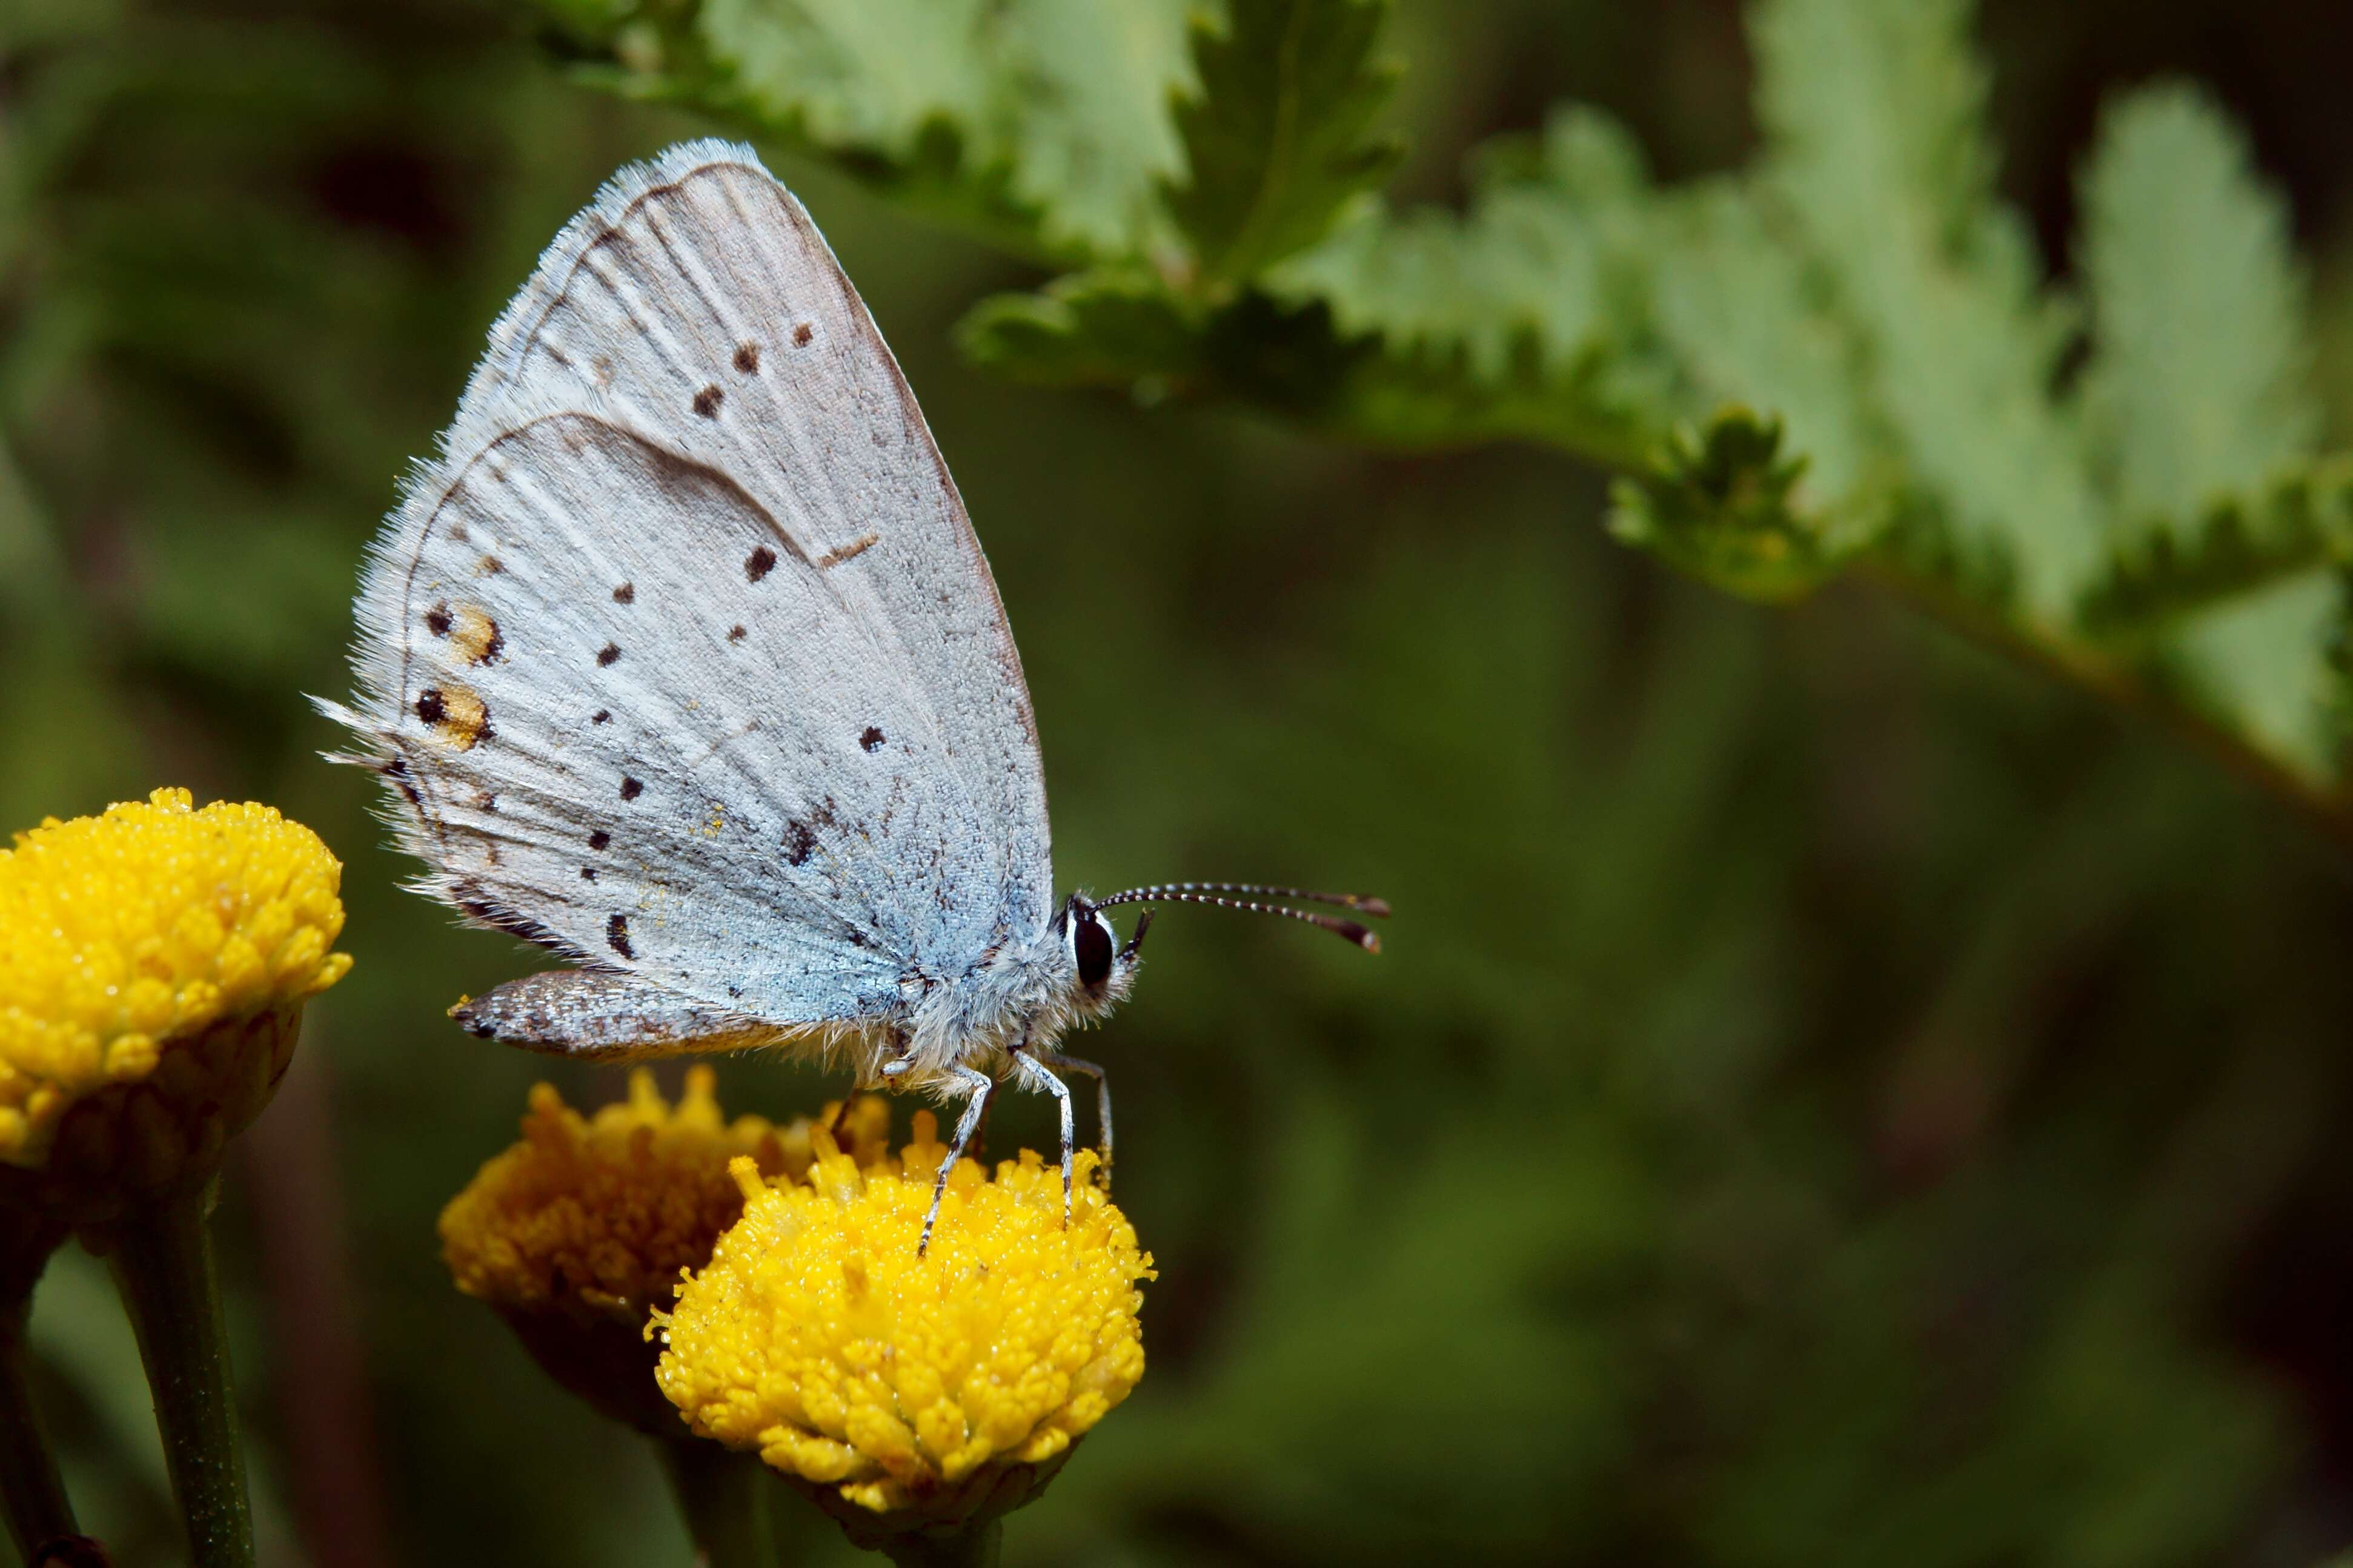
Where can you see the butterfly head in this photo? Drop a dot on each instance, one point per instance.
(1101, 970)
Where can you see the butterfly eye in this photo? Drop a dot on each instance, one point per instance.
(1090, 946)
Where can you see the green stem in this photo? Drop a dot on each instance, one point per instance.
(976, 1546)
(31, 1491)
(724, 1497)
(163, 1262)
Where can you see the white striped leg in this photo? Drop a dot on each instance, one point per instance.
(977, 1087)
(1039, 1078)
(1102, 1099)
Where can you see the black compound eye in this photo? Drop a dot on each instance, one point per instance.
(1091, 945)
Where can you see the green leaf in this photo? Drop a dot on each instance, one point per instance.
(2233, 546)
(1716, 503)
(2196, 390)
(1108, 327)
(2262, 666)
(1549, 252)
(1044, 123)
(1748, 324)
(1278, 139)
(1526, 316)
(1874, 110)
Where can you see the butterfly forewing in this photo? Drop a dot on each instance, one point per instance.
(684, 658)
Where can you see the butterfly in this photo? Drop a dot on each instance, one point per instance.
(683, 660)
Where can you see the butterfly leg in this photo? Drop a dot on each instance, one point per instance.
(978, 1086)
(1102, 1097)
(1039, 1078)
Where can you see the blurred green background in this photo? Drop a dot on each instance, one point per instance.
(1831, 1097)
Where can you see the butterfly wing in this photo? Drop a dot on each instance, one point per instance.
(684, 660)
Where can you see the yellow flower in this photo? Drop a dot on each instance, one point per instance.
(156, 961)
(909, 1394)
(575, 1234)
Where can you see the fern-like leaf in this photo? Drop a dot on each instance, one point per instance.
(2196, 391)
(1043, 124)
(1278, 139)
(1875, 114)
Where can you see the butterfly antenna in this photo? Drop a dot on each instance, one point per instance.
(1363, 903)
(1192, 893)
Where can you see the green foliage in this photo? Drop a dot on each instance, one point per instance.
(1863, 284)
(1044, 124)
(1717, 504)
(1105, 326)
(1275, 138)
(1875, 116)
(2197, 390)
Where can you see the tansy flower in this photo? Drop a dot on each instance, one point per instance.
(154, 965)
(577, 1233)
(910, 1394)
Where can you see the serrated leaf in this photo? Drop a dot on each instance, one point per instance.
(1090, 329)
(1523, 316)
(1545, 253)
(1717, 503)
(2196, 390)
(2234, 544)
(1733, 299)
(1875, 112)
(1046, 123)
(1277, 140)
(2262, 666)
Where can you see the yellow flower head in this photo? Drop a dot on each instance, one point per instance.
(908, 1394)
(153, 963)
(575, 1234)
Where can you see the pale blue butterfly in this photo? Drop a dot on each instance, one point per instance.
(683, 660)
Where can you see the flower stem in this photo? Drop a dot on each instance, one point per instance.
(978, 1545)
(724, 1497)
(31, 1491)
(163, 1261)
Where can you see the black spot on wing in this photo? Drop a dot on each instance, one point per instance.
(627, 594)
(736, 632)
(799, 843)
(617, 936)
(747, 358)
(801, 334)
(707, 401)
(872, 739)
(587, 873)
(599, 839)
(603, 716)
(436, 620)
(631, 788)
(759, 564)
(608, 653)
(430, 707)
